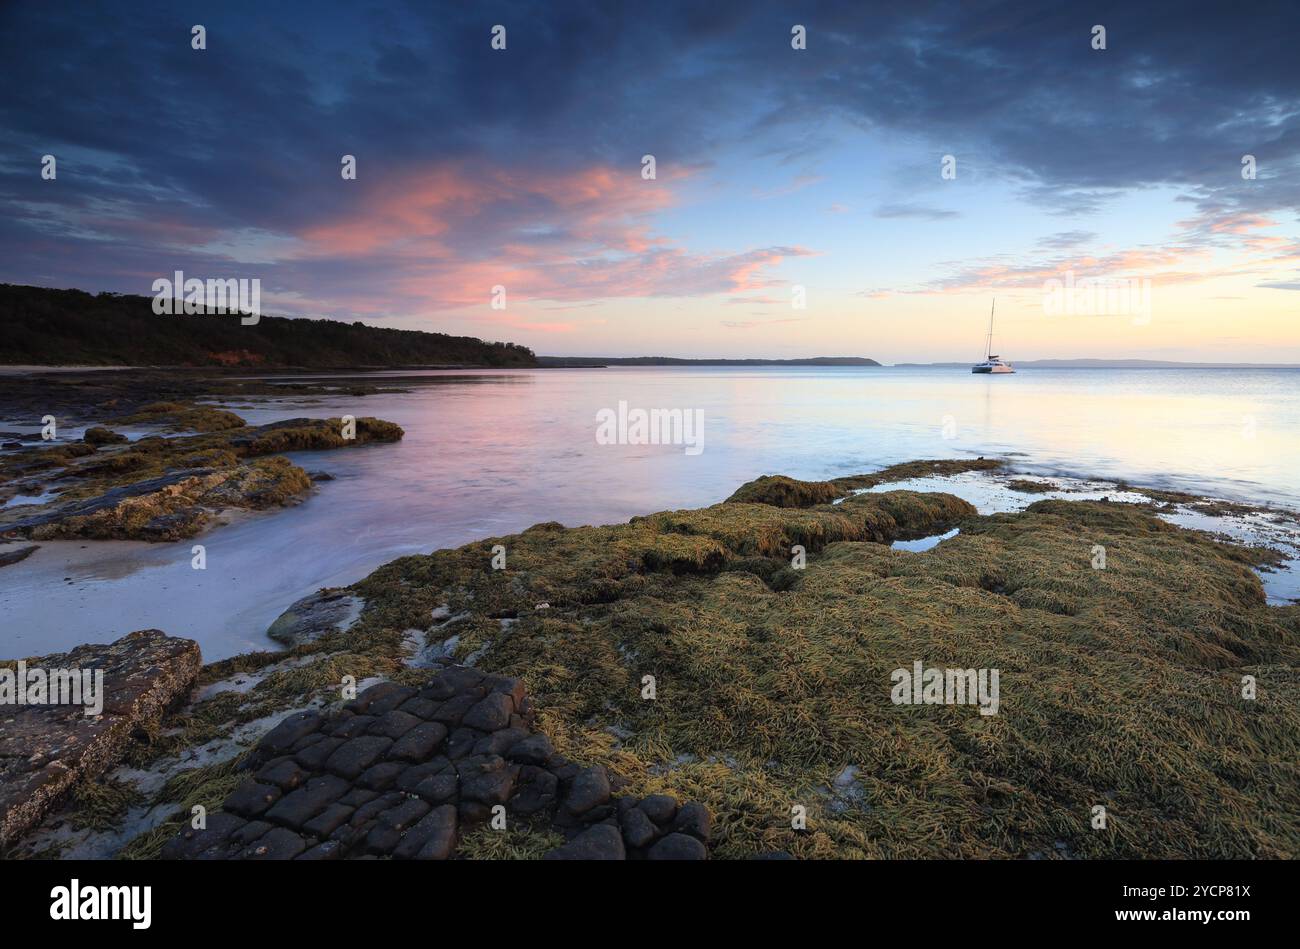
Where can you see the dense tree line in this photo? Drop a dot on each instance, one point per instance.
(41, 326)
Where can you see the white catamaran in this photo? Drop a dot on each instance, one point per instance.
(991, 363)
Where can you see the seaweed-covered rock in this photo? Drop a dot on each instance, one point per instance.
(780, 491)
(773, 673)
(182, 417)
(169, 488)
(99, 435)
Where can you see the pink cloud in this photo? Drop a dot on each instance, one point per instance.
(448, 234)
(1190, 258)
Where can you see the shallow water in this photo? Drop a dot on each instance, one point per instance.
(924, 543)
(991, 493)
(489, 453)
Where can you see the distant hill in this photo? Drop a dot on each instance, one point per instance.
(44, 327)
(581, 362)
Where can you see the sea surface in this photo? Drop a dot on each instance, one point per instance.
(488, 453)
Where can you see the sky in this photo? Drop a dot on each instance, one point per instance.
(870, 194)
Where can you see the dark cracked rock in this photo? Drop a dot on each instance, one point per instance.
(314, 756)
(462, 742)
(285, 735)
(420, 742)
(433, 838)
(394, 724)
(535, 750)
(252, 799)
(400, 772)
(535, 791)
(284, 773)
(382, 776)
(492, 712)
(298, 807)
(329, 820)
(191, 842)
(276, 844)
(354, 756)
(492, 784)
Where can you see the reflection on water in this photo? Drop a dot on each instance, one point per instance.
(924, 543)
(490, 453)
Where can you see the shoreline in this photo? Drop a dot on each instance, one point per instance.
(406, 617)
(1004, 489)
(95, 561)
(977, 561)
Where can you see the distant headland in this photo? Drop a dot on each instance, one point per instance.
(591, 362)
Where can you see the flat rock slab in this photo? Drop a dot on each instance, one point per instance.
(400, 772)
(13, 555)
(45, 749)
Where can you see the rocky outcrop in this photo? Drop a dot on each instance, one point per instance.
(169, 507)
(167, 489)
(45, 749)
(402, 771)
(314, 616)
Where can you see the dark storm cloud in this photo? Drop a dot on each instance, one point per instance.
(176, 150)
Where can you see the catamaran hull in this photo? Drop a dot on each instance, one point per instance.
(992, 370)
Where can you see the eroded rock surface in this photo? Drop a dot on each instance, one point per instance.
(45, 749)
(402, 771)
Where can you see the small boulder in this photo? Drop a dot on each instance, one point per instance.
(314, 617)
(678, 847)
(589, 789)
(638, 830)
(660, 808)
(694, 819)
(600, 842)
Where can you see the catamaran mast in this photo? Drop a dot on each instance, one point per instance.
(988, 345)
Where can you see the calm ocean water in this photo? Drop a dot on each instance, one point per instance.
(489, 453)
